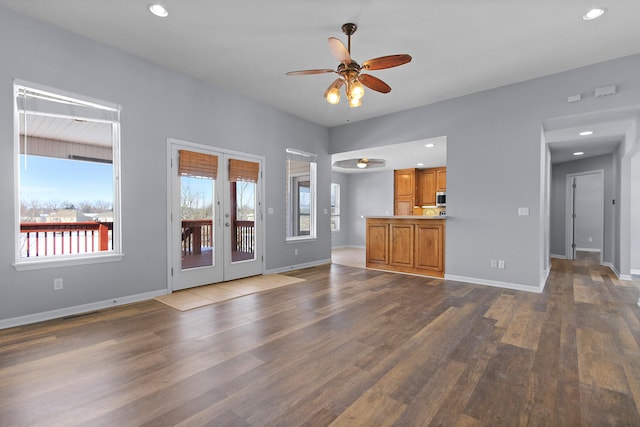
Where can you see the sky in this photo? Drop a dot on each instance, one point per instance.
(50, 179)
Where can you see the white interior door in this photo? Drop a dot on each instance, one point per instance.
(216, 216)
(585, 220)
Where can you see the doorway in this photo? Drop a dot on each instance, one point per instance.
(585, 213)
(215, 220)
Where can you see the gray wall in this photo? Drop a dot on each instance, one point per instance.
(340, 238)
(558, 203)
(156, 104)
(370, 193)
(495, 163)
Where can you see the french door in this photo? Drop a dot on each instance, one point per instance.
(216, 216)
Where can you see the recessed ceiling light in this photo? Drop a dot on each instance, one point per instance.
(594, 13)
(578, 153)
(430, 145)
(159, 10)
(420, 164)
(586, 133)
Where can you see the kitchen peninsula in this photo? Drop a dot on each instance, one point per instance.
(406, 244)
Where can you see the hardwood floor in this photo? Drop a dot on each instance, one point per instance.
(347, 347)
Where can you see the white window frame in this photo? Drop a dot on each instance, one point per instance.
(293, 154)
(335, 209)
(83, 107)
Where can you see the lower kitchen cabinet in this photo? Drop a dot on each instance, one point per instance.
(406, 245)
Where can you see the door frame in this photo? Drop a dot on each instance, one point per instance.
(569, 233)
(260, 231)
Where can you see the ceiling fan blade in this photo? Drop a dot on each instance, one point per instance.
(339, 51)
(374, 83)
(305, 72)
(386, 62)
(337, 84)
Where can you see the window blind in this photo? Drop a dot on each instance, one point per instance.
(197, 165)
(242, 170)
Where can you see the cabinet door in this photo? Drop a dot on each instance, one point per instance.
(429, 253)
(403, 206)
(427, 187)
(404, 183)
(377, 243)
(441, 179)
(401, 246)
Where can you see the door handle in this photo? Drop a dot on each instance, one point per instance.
(226, 224)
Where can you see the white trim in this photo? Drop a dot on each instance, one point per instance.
(504, 285)
(558, 256)
(626, 277)
(298, 266)
(40, 264)
(587, 250)
(78, 309)
(635, 272)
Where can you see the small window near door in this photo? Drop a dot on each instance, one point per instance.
(67, 156)
(335, 207)
(301, 195)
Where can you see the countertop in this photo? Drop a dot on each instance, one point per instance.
(406, 217)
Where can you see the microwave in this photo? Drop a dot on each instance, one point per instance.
(441, 198)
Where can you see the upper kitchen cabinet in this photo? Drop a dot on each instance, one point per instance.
(441, 179)
(417, 187)
(426, 187)
(404, 191)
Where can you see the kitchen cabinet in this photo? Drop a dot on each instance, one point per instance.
(406, 245)
(441, 179)
(417, 187)
(404, 191)
(427, 187)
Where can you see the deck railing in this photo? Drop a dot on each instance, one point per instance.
(245, 237)
(39, 239)
(196, 234)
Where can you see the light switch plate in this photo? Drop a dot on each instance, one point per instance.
(523, 211)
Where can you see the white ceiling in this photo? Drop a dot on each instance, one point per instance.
(458, 47)
(399, 156)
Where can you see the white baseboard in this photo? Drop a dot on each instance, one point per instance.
(635, 272)
(298, 266)
(558, 256)
(587, 250)
(496, 284)
(78, 309)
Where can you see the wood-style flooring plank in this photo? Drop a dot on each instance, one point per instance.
(348, 346)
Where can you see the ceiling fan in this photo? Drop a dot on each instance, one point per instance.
(350, 71)
(362, 163)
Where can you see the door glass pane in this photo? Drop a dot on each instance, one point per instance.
(196, 207)
(243, 211)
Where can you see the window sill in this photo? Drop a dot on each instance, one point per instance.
(66, 262)
(301, 239)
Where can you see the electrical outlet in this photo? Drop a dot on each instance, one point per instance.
(57, 284)
(494, 263)
(500, 263)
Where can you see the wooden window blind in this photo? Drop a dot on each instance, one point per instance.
(241, 170)
(198, 165)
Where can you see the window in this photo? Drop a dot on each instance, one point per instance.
(301, 195)
(335, 206)
(67, 177)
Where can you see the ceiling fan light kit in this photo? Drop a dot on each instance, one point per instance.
(350, 71)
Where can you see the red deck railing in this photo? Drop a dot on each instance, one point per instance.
(39, 239)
